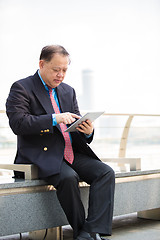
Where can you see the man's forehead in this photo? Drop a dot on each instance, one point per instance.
(59, 61)
(60, 67)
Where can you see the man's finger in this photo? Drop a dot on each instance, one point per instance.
(75, 115)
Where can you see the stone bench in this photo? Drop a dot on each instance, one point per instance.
(32, 205)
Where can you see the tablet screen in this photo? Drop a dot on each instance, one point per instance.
(88, 116)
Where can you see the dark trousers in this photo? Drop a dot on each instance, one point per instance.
(101, 195)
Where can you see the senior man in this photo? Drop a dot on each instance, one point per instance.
(39, 108)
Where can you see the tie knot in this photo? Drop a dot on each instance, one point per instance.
(50, 89)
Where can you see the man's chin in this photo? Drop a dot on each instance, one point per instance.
(56, 84)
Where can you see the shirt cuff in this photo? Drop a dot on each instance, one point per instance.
(88, 136)
(54, 121)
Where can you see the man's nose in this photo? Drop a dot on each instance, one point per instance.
(60, 74)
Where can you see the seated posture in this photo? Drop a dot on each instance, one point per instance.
(39, 108)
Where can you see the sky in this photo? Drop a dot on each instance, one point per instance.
(116, 39)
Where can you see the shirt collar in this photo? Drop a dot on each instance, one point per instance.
(43, 81)
(45, 85)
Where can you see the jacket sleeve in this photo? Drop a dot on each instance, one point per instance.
(21, 119)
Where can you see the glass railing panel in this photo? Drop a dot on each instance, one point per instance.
(7, 141)
(108, 132)
(144, 141)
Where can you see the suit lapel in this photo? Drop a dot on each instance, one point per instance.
(43, 97)
(41, 94)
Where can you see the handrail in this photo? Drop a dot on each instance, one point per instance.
(116, 114)
(131, 114)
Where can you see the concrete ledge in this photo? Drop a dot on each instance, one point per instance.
(52, 233)
(150, 214)
(134, 163)
(31, 171)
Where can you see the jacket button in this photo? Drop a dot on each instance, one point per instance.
(45, 148)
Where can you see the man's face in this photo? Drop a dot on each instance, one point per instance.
(54, 71)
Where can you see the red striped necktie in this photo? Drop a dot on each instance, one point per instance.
(68, 151)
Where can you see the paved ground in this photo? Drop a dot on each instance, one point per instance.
(127, 227)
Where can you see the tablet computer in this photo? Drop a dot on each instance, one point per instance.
(88, 116)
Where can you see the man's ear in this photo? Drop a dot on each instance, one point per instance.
(41, 64)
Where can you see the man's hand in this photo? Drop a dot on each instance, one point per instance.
(66, 118)
(85, 127)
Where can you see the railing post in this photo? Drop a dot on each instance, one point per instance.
(124, 138)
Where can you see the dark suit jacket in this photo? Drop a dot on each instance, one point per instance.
(29, 111)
